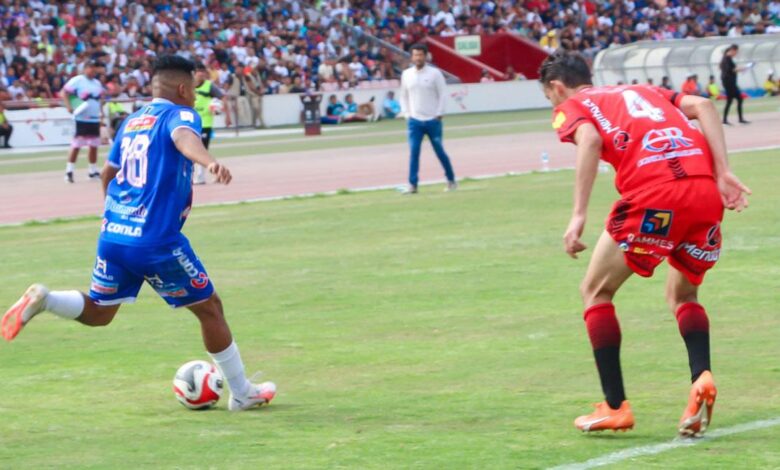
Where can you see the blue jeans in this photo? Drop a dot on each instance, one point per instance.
(418, 130)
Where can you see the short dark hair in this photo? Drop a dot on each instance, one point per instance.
(419, 47)
(173, 63)
(200, 66)
(571, 68)
(733, 47)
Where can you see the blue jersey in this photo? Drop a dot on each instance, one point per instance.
(150, 197)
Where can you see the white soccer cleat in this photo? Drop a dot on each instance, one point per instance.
(259, 395)
(30, 304)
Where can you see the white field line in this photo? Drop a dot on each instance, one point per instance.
(640, 451)
(360, 189)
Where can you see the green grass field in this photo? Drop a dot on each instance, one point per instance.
(438, 331)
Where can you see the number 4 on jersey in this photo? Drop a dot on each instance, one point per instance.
(639, 107)
(134, 161)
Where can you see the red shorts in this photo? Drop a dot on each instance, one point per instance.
(679, 220)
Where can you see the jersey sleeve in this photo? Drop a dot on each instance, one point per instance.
(72, 85)
(567, 117)
(670, 95)
(186, 118)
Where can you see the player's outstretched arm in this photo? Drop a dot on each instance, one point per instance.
(190, 145)
(732, 191)
(589, 145)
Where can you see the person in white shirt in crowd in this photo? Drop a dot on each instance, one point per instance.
(83, 97)
(423, 91)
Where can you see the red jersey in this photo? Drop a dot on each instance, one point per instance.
(647, 139)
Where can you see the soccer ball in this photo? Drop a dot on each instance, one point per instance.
(197, 385)
(215, 106)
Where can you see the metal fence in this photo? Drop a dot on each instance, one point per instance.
(678, 59)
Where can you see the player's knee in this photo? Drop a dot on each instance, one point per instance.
(211, 309)
(675, 299)
(594, 293)
(103, 316)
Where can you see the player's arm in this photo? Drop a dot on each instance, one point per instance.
(589, 146)
(190, 145)
(732, 191)
(109, 172)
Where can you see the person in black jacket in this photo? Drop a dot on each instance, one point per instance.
(728, 75)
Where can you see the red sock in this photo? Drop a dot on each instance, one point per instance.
(604, 333)
(695, 330)
(603, 326)
(691, 318)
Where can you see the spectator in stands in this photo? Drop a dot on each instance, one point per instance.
(333, 111)
(486, 77)
(771, 87)
(665, 83)
(728, 75)
(650, 81)
(390, 106)
(255, 89)
(691, 86)
(83, 98)
(6, 129)
(351, 112)
(713, 90)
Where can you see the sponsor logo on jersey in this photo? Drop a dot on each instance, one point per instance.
(116, 207)
(187, 116)
(198, 279)
(713, 235)
(656, 222)
(621, 140)
(699, 254)
(595, 111)
(664, 140)
(122, 229)
(559, 120)
(102, 287)
(140, 123)
(662, 243)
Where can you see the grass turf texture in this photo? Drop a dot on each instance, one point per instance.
(434, 331)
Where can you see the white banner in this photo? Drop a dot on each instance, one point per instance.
(40, 127)
(55, 126)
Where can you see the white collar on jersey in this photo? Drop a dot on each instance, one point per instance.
(161, 100)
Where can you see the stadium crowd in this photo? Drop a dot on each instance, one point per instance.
(288, 46)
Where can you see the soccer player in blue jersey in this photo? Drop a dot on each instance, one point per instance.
(147, 182)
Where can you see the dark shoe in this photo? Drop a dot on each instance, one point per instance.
(6, 146)
(726, 123)
(411, 189)
(742, 121)
(69, 177)
(95, 175)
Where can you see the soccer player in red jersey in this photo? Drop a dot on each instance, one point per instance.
(674, 182)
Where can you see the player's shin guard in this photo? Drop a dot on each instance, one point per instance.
(695, 330)
(604, 332)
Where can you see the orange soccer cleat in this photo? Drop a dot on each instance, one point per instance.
(30, 304)
(605, 418)
(698, 414)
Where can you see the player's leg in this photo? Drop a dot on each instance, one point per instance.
(92, 157)
(694, 328)
(436, 134)
(607, 271)
(70, 166)
(71, 305)
(729, 100)
(739, 107)
(416, 134)
(179, 277)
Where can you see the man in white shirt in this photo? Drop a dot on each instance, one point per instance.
(83, 97)
(423, 91)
